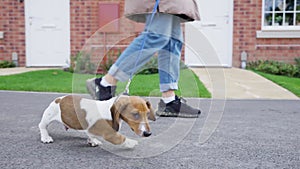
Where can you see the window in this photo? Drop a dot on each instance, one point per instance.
(281, 14)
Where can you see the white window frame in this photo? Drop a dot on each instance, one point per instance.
(280, 27)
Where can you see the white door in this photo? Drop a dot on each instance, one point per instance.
(209, 41)
(47, 32)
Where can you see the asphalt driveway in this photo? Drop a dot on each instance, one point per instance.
(244, 134)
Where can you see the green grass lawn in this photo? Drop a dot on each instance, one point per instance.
(289, 83)
(66, 82)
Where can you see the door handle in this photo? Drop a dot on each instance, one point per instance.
(208, 24)
(50, 26)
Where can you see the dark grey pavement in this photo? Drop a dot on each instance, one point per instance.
(251, 134)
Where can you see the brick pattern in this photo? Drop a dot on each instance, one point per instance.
(247, 20)
(88, 37)
(12, 23)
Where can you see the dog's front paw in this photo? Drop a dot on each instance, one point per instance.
(93, 142)
(129, 143)
(46, 139)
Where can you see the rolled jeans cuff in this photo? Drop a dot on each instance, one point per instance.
(168, 86)
(117, 73)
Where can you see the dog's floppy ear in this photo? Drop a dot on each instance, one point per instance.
(151, 115)
(115, 114)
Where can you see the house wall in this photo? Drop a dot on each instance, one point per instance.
(12, 23)
(86, 35)
(247, 20)
(84, 29)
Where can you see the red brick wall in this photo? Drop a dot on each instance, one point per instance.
(87, 36)
(12, 23)
(247, 20)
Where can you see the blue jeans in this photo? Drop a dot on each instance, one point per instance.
(163, 36)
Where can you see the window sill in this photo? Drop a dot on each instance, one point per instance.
(278, 34)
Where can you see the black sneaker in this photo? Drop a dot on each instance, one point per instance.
(177, 108)
(99, 92)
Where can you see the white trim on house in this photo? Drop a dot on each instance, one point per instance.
(278, 34)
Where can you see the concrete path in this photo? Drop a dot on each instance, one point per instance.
(17, 70)
(233, 83)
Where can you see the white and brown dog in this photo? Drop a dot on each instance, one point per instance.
(100, 118)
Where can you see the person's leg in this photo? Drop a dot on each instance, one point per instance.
(169, 67)
(169, 60)
(131, 59)
(156, 37)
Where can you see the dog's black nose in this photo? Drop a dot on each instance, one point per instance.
(146, 133)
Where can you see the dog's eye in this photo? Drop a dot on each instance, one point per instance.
(136, 115)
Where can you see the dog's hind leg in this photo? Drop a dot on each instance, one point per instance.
(50, 114)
